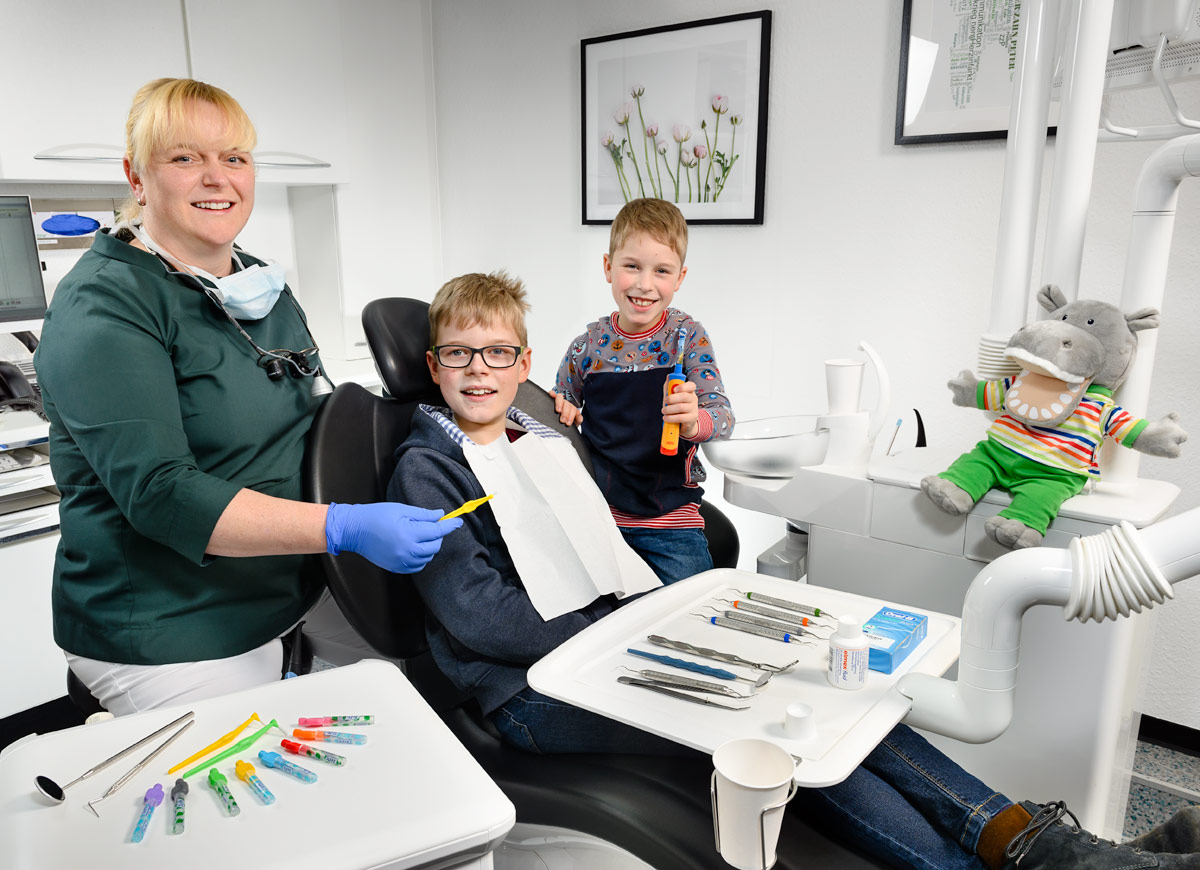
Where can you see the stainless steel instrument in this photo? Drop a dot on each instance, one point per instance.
(715, 655)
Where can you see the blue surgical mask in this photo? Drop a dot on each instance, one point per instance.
(248, 294)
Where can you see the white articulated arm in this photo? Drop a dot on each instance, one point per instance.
(978, 706)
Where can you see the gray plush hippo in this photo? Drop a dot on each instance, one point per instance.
(1045, 447)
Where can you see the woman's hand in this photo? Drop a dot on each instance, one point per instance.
(396, 537)
(568, 414)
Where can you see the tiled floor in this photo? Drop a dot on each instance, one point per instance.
(1164, 781)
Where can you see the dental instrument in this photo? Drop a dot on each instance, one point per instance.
(133, 771)
(244, 743)
(786, 605)
(762, 621)
(153, 798)
(773, 634)
(895, 432)
(684, 664)
(220, 784)
(245, 772)
(217, 744)
(688, 683)
(179, 798)
(675, 693)
(467, 507)
(318, 721)
(781, 616)
(716, 655)
(56, 793)
(312, 752)
(275, 761)
(330, 736)
(669, 444)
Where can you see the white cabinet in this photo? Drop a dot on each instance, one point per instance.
(68, 72)
(283, 62)
(35, 670)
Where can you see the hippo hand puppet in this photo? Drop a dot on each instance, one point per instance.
(1045, 447)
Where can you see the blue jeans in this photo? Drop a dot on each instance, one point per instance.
(672, 553)
(537, 723)
(907, 805)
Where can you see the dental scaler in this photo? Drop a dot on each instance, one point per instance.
(669, 445)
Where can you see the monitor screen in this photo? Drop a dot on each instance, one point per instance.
(22, 292)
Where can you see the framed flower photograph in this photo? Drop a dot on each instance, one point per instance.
(678, 113)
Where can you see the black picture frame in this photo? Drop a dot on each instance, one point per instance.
(955, 81)
(713, 71)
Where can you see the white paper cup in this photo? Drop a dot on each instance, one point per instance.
(843, 383)
(798, 722)
(751, 775)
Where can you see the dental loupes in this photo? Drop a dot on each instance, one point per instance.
(153, 798)
(697, 668)
(220, 785)
(716, 655)
(275, 761)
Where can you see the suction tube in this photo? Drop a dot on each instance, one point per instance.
(978, 706)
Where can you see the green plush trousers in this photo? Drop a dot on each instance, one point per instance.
(1037, 490)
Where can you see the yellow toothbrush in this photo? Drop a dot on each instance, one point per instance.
(466, 508)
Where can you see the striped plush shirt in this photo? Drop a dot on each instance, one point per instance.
(1074, 444)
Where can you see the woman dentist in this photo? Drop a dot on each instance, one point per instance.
(180, 380)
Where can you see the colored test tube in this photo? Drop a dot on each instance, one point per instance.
(318, 721)
(179, 796)
(312, 752)
(153, 798)
(330, 736)
(245, 772)
(220, 785)
(275, 761)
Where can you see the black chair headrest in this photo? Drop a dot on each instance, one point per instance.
(397, 331)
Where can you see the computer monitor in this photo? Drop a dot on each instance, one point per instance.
(22, 291)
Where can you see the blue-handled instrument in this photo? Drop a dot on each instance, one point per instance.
(697, 668)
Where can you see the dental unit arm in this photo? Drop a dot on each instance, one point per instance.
(1088, 580)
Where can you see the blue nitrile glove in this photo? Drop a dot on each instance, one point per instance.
(397, 537)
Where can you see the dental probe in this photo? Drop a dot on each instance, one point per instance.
(133, 771)
(786, 605)
(673, 693)
(694, 667)
(676, 682)
(54, 791)
(716, 655)
(773, 634)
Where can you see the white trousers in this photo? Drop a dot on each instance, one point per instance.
(123, 689)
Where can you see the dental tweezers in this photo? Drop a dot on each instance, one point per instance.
(675, 693)
(671, 680)
(715, 655)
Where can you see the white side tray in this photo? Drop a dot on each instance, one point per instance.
(849, 724)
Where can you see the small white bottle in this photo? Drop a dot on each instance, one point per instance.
(848, 655)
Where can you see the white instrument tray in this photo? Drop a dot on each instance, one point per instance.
(849, 724)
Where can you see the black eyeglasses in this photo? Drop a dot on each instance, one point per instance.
(495, 356)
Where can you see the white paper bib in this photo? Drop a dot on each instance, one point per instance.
(558, 528)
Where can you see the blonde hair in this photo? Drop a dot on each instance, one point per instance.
(659, 219)
(163, 110)
(480, 299)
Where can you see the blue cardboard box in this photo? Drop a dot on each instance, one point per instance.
(892, 634)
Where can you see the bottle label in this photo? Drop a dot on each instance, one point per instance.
(848, 667)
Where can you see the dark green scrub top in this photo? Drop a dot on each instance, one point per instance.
(159, 414)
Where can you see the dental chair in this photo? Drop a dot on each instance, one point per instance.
(657, 809)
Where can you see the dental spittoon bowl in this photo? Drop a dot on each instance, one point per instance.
(771, 448)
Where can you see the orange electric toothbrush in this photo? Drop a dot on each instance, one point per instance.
(669, 445)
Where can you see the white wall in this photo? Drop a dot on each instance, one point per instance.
(862, 238)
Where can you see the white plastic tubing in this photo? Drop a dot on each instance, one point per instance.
(1146, 271)
(978, 706)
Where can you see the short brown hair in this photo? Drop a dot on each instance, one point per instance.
(478, 298)
(659, 219)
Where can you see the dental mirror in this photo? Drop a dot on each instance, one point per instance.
(57, 793)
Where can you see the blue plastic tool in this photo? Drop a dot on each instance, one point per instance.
(707, 670)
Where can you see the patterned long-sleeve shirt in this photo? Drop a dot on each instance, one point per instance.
(1074, 444)
(618, 377)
